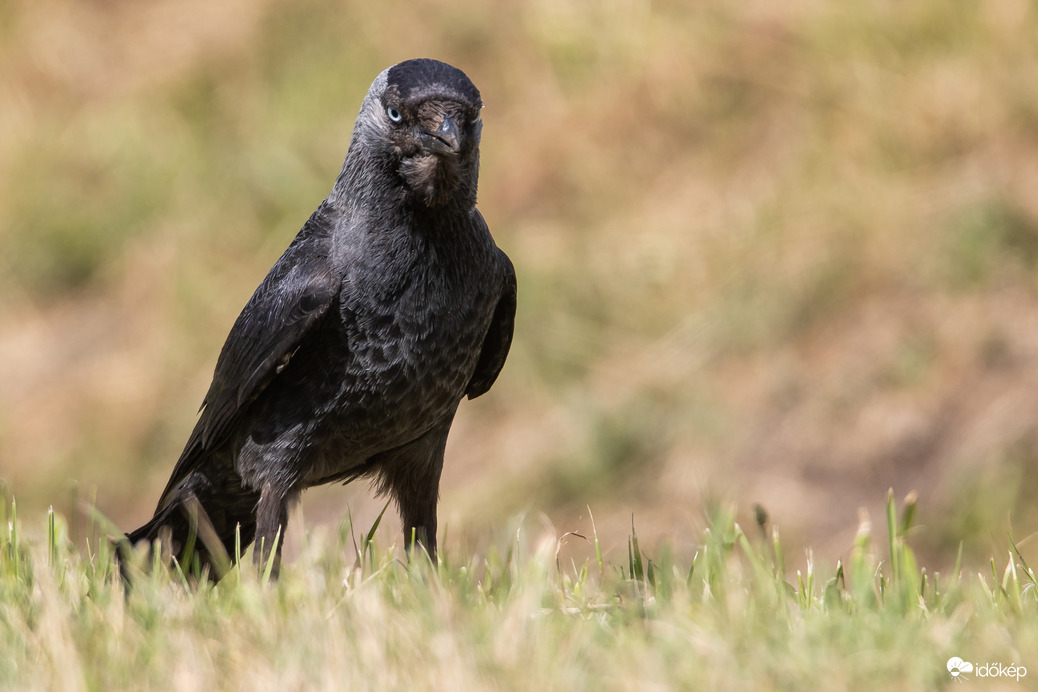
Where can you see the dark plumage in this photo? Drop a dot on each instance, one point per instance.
(350, 359)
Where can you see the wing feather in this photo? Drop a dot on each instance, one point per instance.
(498, 339)
(289, 304)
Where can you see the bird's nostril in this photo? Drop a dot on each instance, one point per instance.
(446, 137)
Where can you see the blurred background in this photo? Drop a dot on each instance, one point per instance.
(775, 253)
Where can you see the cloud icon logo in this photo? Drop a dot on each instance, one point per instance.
(956, 666)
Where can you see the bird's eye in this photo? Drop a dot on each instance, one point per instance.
(394, 114)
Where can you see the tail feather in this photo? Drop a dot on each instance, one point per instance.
(203, 523)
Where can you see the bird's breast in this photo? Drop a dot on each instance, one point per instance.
(410, 346)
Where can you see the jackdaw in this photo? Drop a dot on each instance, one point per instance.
(391, 305)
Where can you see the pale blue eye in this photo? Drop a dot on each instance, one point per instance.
(394, 114)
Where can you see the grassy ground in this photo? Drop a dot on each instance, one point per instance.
(349, 614)
(774, 253)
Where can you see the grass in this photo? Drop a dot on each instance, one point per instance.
(350, 614)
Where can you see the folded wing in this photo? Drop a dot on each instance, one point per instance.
(284, 311)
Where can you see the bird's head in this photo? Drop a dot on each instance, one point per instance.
(420, 123)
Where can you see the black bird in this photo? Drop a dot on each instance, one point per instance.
(389, 307)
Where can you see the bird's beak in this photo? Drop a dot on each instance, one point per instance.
(445, 140)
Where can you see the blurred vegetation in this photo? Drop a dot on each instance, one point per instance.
(784, 254)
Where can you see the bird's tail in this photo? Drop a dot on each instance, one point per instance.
(202, 526)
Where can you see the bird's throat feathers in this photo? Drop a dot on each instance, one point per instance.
(419, 183)
(437, 182)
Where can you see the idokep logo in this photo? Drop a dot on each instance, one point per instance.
(956, 666)
(959, 669)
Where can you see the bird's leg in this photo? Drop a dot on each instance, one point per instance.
(418, 513)
(415, 483)
(411, 475)
(271, 520)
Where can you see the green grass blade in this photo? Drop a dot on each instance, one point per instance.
(369, 539)
(895, 563)
(272, 557)
(634, 555)
(598, 546)
(52, 540)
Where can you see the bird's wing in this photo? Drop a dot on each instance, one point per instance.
(499, 336)
(286, 307)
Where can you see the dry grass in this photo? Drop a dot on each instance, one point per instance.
(518, 615)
